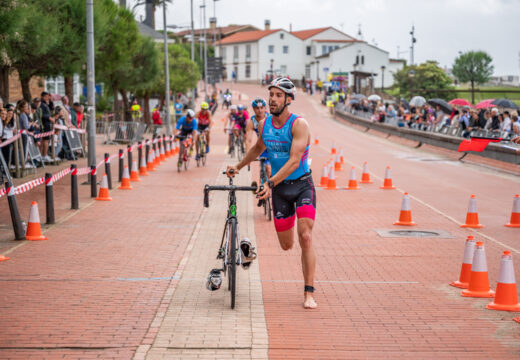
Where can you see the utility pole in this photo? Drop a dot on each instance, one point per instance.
(91, 80)
(414, 40)
(205, 56)
(166, 73)
(192, 49)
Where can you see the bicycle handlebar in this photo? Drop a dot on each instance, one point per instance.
(208, 188)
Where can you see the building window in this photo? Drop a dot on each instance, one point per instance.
(283, 70)
(286, 49)
(223, 53)
(248, 52)
(235, 53)
(281, 36)
(248, 71)
(270, 49)
(331, 48)
(357, 59)
(307, 71)
(308, 50)
(362, 59)
(336, 47)
(323, 49)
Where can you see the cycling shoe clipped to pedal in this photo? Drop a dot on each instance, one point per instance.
(248, 253)
(214, 280)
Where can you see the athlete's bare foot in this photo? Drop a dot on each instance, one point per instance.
(309, 302)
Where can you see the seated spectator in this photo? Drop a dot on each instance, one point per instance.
(505, 126)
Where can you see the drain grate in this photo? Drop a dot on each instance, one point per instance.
(414, 234)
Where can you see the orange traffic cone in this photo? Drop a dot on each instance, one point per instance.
(157, 160)
(405, 217)
(337, 164)
(333, 149)
(125, 181)
(506, 298)
(517, 319)
(465, 270)
(331, 181)
(472, 215)
(352, 183)
(3, 258)
(34, 229)
(365, 176)
(161, 152)
(479, 281)
(168, 152)
(134, 174)
(515, 214)
(103, 190)
(142, 169)
(324, 176)
(387, 184)
(316, 141)
(341, 156)
(149, 164)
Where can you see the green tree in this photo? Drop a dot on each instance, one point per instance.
(428, 80)
(473, 67)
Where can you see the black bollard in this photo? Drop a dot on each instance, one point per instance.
(164, 143)
(19, 231)
(49, 199)
(129, 149)
(93, 181)
(121, 163)
(147, 153)
(108, 171)
(74, 201)
(139, 154)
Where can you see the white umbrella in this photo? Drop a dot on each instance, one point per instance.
(417, 101)
(374, 97)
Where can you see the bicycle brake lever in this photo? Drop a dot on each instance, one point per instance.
(254, 184)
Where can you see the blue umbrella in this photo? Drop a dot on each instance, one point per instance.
(354, 101)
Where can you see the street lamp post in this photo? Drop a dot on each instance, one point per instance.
(383, 78)
(317, 70)
(91, 100)
(166, 73)
(205, 54)
(411, 75)
(192, 49)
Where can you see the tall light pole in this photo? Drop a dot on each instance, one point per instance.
(205, 54)
(383, 78)
(192, 48)
(414, 40)
(166, 73)
(91, 79)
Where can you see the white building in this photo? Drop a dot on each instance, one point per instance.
(313, 53)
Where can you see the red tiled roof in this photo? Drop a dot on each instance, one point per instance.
(224, 30)
(247, 36)
(337, 41)
(305, 34)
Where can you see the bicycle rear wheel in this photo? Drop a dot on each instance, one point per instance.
(232, 261)
(181, 155)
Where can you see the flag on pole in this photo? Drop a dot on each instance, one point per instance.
(477, 144)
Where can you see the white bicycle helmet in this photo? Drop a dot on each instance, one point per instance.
(190, 113)
(234, 107)
(285, 85)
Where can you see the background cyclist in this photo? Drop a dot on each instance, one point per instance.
(187, 125)
(259, 107)
(204, 123)
(229, 125)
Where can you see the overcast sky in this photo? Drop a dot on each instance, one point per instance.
(442, 27)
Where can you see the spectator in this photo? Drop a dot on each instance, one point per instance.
(464, 122)
(70, 115)
(77, 109)
(515, 123)
(156, 116)
(495, 123)
(505, 126)
(439, 117)
(391, 113)
(47, 121)
(8, 131)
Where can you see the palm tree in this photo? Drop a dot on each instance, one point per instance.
(150, 12)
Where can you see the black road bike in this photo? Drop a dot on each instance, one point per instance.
(266, 203)
(184, 152)
(230, 245)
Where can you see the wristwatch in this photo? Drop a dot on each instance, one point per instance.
(270, 183)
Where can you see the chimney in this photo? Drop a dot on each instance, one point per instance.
(290, 27)
(267, 24)
(213, 23)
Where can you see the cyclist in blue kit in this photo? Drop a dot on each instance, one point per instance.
(286, 138)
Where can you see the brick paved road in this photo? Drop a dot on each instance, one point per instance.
(126, 279)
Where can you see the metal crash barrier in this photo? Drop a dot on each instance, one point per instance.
(122, 132)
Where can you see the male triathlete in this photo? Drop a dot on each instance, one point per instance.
(229, 125)
(286, 138)
(227, 99)
(187, 125)
(259, 108)
(204, 120)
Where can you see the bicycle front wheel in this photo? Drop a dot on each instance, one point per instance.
(232, 260)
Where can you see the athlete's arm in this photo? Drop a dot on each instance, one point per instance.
(300, 141)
